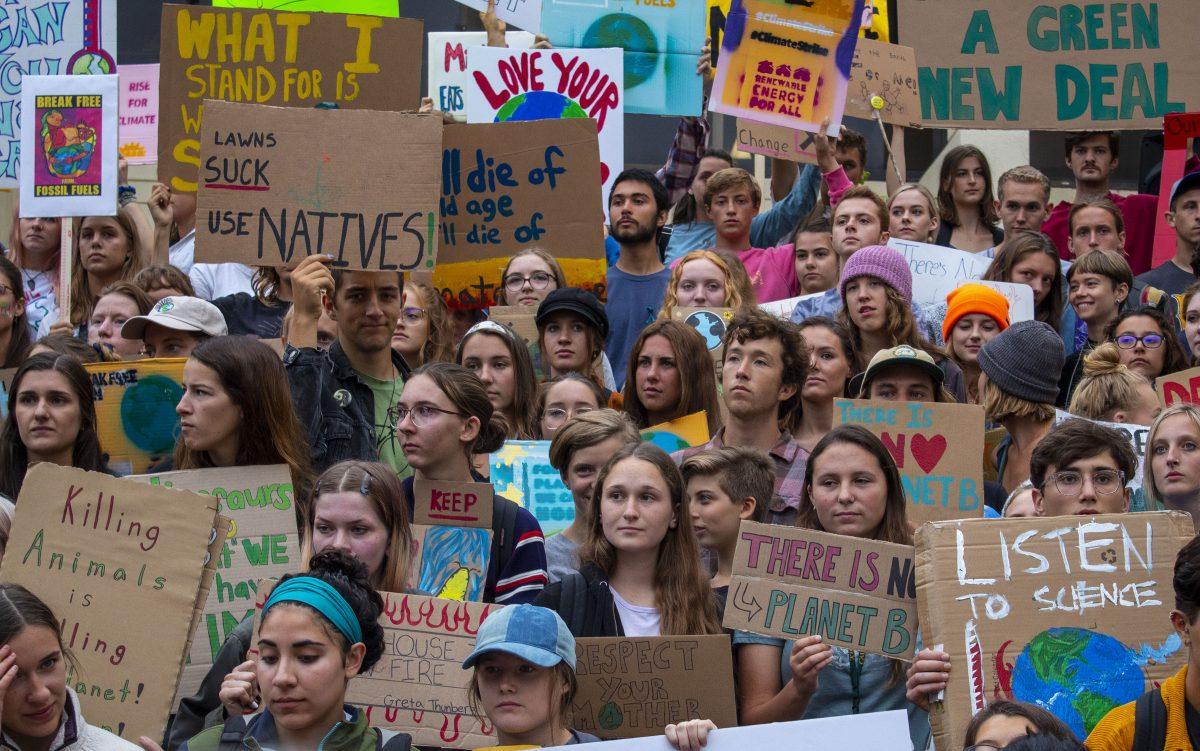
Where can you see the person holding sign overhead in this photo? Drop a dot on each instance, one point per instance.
(670, 376)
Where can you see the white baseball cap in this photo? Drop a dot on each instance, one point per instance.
(181, 314)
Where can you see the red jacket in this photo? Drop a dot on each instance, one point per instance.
(1139, 211)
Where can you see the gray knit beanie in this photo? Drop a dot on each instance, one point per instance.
(1025, 360)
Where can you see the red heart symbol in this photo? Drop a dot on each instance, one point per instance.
(604, 172)
(928, 451)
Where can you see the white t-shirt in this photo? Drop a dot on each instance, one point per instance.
(39, 297)
(210, 280)
(636, 620)
(182, 254)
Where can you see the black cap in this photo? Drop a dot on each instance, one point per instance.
(1188, 182)
(574, 300)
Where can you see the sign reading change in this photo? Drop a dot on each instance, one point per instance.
(279, 183)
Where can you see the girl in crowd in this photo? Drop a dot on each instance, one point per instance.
(528, 277)
(444, 417)
(670, 375)
(1113, 392)
(236, 411)
(563, 398)
(703, 279)
(35, 249)
(1002, 722)
(164, 281)
(494, 353)
(65, 344)
(1147, 343)
(317, 631)
(851, 487)
(975, 314)
(1019, 503)
(524, 682)
(423, 329)
(356, 507)
(106, 252)
(572, 327)
(259, 315)
(832, 363)
(968, 208)
(1172, 479)
(118, 302)
(1030, 258)
(1099, 283)
(876, 287)
(40, 710)
(913, 214)
(578, 451)
(51, 418)
(14, 328)
(1191, 320)
(817, 262)
(639, 572)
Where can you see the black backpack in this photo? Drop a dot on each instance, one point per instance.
(1150, 722)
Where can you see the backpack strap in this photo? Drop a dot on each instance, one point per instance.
(572, 603)
(504, 523)
(232, 734)
(1150, 722)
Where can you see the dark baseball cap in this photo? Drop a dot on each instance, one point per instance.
(577, 301)
(1190, 181)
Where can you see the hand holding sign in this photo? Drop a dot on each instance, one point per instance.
(809, 656)
(239, 691)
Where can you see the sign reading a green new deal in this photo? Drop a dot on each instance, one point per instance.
(1053, 65)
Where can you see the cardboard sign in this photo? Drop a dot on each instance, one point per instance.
(776, 141)
(524, 14)
(1069, 613)
(783, 308)
(61, 38)
(1178, 131)
(521, 472)
(1179, 388)
(854, 593)
(135, 410)
(632, 688)
(508, 186)
(521, 85)
(787, 64)
(282, 59)
(386, 8)
(1137, 435)
(1064, 66)
(138, 115)
(262, 543)
(662, 42)
(97, 549)
(70, 142)
(462, 504)
(938, 449)
(447, 65)
(681, 433)
(887, 71)
(709, 323)
(281, 183)
(520, 319)
(452, 562)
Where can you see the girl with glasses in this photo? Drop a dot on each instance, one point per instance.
(563, 398)
(528, 277)
(1147, 344)
(423, 333)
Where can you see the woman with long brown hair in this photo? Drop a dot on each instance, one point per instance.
(14, 328)
(423, 331)
(106, 251)
(966, 203)
(639, 572)
(494, 353)
(1028, 257)
(670, 375)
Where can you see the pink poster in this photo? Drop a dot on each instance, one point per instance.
(139, 113)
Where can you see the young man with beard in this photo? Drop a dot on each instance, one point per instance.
(637, 208)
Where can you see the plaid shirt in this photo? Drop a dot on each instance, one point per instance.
(789, 459)
(691, 139)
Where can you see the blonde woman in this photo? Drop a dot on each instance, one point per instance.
(1172, 474)
(1111, 392)
(705, 279)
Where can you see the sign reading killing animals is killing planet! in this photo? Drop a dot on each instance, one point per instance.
(278, 184)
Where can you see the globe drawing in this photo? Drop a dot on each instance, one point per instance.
(668, 442)
(709, 326)
(539, 105)
(148, 413)
(631, 34)
(1077, 674)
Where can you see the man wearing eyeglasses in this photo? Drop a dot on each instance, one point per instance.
(1081, 467)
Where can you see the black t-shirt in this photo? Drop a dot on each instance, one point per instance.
(246, 315)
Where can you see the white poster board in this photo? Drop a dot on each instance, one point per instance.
(524, 14)
(447, 66)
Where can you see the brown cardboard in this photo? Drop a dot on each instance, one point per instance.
(262, 542)
(888, 71)
(317, 181)
(97, 549)
(1179, 388)
(461, 504)
(854, 593)
(285, 59)
(1028, 64)
(520, 319)
(552, 183)
(938, 449)
(710, 324)
(776, 141)
(149, 389)
(633, 687)
(991, 591)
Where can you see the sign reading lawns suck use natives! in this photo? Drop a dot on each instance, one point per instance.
(1053, 65)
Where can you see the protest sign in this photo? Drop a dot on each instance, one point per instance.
(262, 543)
(521, 472)
(1178, 131)
(451, 562)
(787, 64)
(138, 116)
(1019, 296)
(1069, 613)
(282, 183)
(662, 42)
(387, 8)
(936, 271)
(631, 688)
(1064, 66)
(943, 478)
(521, 319)
(6, 377)
(884, 74)
(42, 38)
(524, 14)
(1179, 388)
(97, 549)
(680, 433)
(508, 186)
(462, 504)
(709, 323)
(447, 65)
(783, 308)
(854, 593)
(879, 731)
(522, 85)
(135, 410)
(282, 59)
(776, 141)
(877, 28)
(70, 144)
(1137, 435)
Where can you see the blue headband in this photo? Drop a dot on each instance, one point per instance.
(322, 597)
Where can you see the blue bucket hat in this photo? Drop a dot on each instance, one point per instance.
(535, 634)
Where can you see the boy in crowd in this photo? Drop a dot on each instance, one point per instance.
(1179, 271)
(817, 265)
(1081, 467)
(901, 374)
(175, 326)
(732, 198)
(1100, 225)
(1023, 199)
